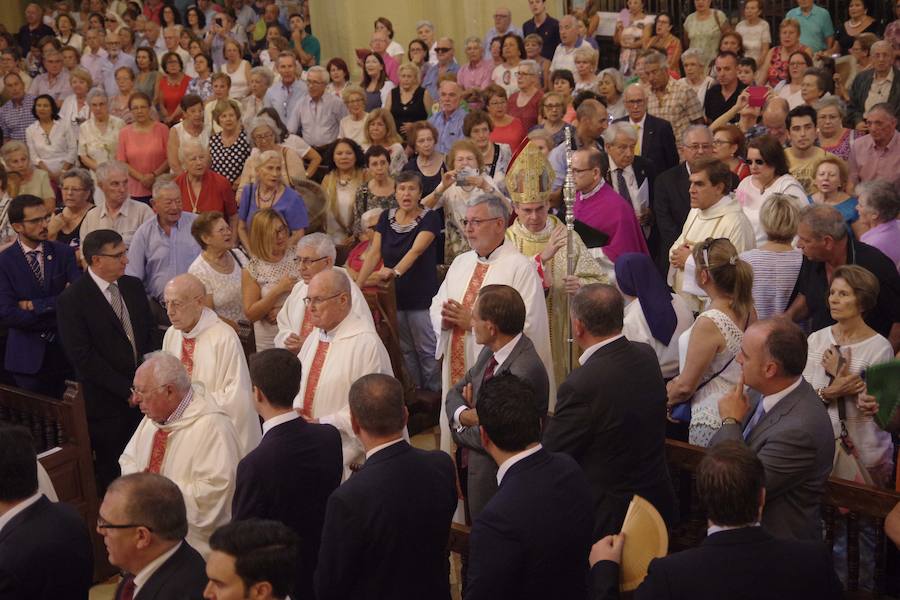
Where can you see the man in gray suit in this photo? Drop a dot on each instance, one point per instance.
(498, 319)
(785, 424)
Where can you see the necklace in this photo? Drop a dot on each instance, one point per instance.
(855, 25)
(194, 198)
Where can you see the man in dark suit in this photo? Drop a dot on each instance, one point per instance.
(252, 559)
(296, 466)
(738, 558)
(143, 521)
(45, 549)
(386, 528)
(104, 347)
(530, 540)
(656, 138)
(33, 273)
(671, 201)
(786, 425)
(498, 318)
(611, 413)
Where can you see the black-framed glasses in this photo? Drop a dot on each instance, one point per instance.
(104, 524)
(756, 161)
(317, 301)
(477, 222)
(442, 50)
(116, 256)
(310, 261)
(37, 220)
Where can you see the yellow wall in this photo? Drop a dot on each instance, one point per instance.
(344, 25)
(12, 14)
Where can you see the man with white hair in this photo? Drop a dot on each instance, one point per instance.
(564, 56)
(187, 438)
(877, 155)
(670, 99)
(171, 36)
(340, 349)
(320, 113)
(656, 139)
(115, 59)
(492, 260)
(379, 44)
(502, 26)
(119, 212)
(449, 119)
(446, 65)
(93, 56)
(316, 253)
(212, 354)
(285, 97)
(881, 83)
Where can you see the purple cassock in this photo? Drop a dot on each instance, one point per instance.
(605, 210)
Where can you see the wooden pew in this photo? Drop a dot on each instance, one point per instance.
(59, 429)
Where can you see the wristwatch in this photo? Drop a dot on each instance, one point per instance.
(397, 273)
(729, 421)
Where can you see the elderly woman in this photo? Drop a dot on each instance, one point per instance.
(703, 29)
(707, 351)
(513, 52)
(378, 191)
(52, 144)
(380, 130)
(219, 266)
(142, 146)
(172, 88)
(506, 128)
(32, 181)
(524, 104)
(586, 68)
(404, 240)
(768, 175)
(236, 68)
(666, 41)
(879, 207)
(353, 126)
(360, 252)
(201, 189)
(66, 34)
(375, 82)
(99, 135)
(77, 189)
(775, 262)
(118, 104)
(552, 110)
(534, 43)
(266, 136)
(340, 187)
(814, 85)
(409, 102)
(465, 180)
(426, 161)
(75, 110)
(230, 147)
(260, 81)
(774, 67)
(610, 85)
(270, 275)
(192, 127)
(728, 146)
(201, 83)
(339, 74)
(653, 315)
(830, 177)
(695, 73)
(833, 136)
(270, 191)
(477, 126)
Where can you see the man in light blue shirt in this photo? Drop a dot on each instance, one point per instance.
(163, 247)
(502, 26)
(285, 96)
(449, 120)
(446, 65)
(115, 59)
(320, 113)
(816, 28)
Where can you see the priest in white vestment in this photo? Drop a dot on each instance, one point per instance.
(316, 252)
(212, 354)
(186, 437)
(492, 260)
(341, 348)
(715, 213)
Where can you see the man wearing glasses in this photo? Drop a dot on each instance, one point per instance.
(143, 523)
(105, 328)
(446, 65)
(341, 348)
(33, 273)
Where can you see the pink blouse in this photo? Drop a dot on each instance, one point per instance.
(143, 151)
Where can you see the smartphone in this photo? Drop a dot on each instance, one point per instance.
(757, 95)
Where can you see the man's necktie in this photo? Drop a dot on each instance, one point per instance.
(622, 185)
(312, 381)
(637, 145)
(489, 370)
(34, 261)
(158, 451)
(187, 354)
(126, 592)
(754, 421)
(118, 306)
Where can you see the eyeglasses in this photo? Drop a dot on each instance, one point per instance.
(553, 106)
(36, 220)
(442, 50)
(574, 170)
(308, 261)
(317, 301)
(523, 74)
(722, 142)
(139, 394)
(756, 161)
(116, 256)
(104, 524)
(477, 222)
(697, 147)
(636, 101)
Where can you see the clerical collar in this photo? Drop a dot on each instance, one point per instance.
(491, 253)
(592, 191)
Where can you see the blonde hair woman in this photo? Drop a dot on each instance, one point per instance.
(270, 191)
(380, 130)
(353, 126)
(75, 109)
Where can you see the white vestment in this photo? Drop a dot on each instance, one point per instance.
(201, 457)
(290, 317)
(354, 350)
(220, 365)
(506, 266)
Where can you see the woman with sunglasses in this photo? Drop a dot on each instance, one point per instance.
(769, 175)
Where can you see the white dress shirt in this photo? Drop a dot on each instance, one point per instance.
(11, 513)
(268, 424)
(150, 568)
(102, 284)
(509, 462)
(769, 402)
(500, 356)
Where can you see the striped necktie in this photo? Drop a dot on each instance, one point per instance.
(118, 306)
(33, 259)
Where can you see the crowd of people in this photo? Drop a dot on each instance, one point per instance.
(183, 181)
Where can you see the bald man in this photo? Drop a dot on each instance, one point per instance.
(340, 349)
(212, 354)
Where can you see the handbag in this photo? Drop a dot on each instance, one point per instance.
(846, 464)
(682, 412)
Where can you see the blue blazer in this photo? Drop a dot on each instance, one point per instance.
(31, 330)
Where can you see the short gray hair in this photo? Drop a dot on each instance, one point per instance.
(824, 220)
(471, 39)
(265, 73)
(497, 206)
(616, 76)
(263, 121)
(191, 145)
(531, 65)
(266, 156)
(882, 196)
(319, 242)
(617, 129)
(106, 169)
(164, 183)
(885, 108)
(691, 129)
(656, 58)
(425, 23)
(692, 53)
(166, 369)
(154, 501)
(829, 102)
(369, 214)
(319, 69)
(13, 146)
(82, 175)
(97, 92)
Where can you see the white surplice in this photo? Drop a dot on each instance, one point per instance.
(507, 266)
(202, 453)
(354, 350)
(290, 317)
(220, 365)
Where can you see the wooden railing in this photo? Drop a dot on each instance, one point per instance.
(843, 500)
